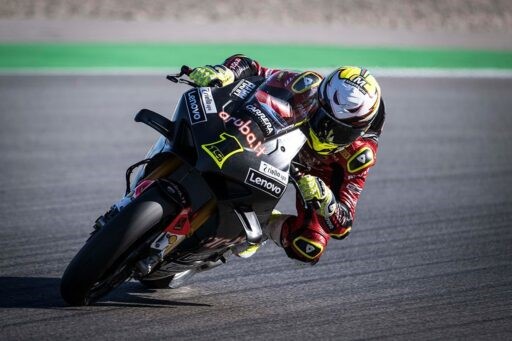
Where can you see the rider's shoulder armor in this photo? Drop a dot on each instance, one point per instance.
(297, 88)
(296, 82)
(360, 155)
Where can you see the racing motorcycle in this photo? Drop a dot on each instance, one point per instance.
(206, 188)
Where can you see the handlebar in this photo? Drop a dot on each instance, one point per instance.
(186, 71)
(177, 78)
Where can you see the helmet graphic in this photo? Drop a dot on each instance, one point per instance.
(349, 101)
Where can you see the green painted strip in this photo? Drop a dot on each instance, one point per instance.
(162, 55)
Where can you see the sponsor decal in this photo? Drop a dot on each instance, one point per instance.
(274, 172)
(245, 128)
(195, 110)
(207, 99)
(234, 63)
(358, 82)
(305, 82)
(354, 188)
(362, 159)
(243, 89)
(261, 119)
(264, 183)
(223, 149)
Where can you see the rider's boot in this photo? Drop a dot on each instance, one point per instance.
(275, 225)
(245, 250)
(272, 231)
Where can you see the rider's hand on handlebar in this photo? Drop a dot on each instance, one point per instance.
(313, 189)
(207, 75)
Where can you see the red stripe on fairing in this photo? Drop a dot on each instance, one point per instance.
(282, 109)
(180, 225)
(141, 187)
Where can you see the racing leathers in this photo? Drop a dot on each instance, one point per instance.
(305, 236)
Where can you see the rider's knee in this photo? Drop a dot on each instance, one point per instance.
(305, 244)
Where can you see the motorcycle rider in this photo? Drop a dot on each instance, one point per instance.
(342, 116)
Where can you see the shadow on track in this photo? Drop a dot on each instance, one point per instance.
(42, 292)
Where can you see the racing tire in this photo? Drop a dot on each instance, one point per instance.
(106, 259)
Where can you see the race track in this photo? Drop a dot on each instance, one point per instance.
(430, 256)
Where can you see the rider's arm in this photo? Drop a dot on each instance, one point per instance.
(349, 176)
(346, 179)
(243, 66)
(347, 183)
(234, 68)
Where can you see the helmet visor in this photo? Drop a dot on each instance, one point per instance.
(330, 130)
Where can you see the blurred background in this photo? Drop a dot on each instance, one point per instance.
(454, 24)
(320, 21)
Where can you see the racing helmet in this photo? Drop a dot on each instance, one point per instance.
(349, 101)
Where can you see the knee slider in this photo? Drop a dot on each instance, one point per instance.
(307, 246)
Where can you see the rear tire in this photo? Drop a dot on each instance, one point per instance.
(105, 253)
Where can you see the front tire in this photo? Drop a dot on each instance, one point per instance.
(104, 261)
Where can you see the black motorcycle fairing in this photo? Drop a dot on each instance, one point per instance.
(230, 157)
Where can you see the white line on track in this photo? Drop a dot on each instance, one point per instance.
(379, 72)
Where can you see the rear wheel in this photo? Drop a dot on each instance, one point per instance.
(107, 258)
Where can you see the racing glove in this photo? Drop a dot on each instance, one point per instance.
(205, 75)
(313, 189)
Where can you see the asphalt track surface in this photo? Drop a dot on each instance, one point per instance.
(430, 256)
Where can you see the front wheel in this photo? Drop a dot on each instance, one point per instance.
(107, 258)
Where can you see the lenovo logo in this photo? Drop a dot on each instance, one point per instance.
(195, 110)
(264, 183)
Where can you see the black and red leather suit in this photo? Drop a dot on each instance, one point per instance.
(344, 172)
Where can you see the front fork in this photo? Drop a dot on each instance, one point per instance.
(184, 225)
(163, 171)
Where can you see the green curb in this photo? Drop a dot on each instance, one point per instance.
(162, 55)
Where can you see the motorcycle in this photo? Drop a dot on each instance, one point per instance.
(205, 189)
